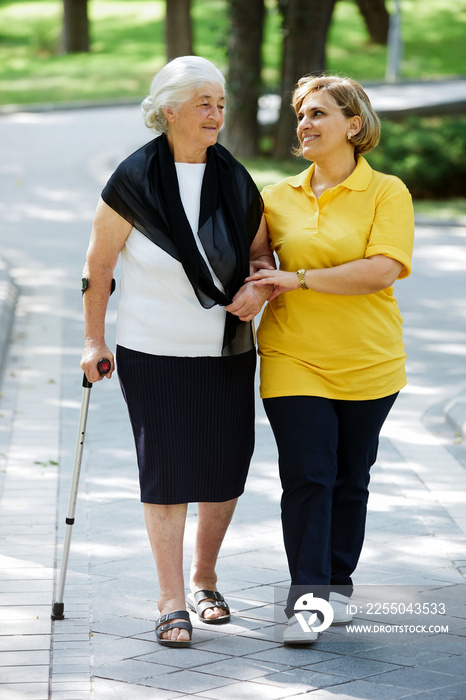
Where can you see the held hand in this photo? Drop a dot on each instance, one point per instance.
(248, 301)
(282, 281)
(93, 352)
(256, 265)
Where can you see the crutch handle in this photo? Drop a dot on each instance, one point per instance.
(104, 366)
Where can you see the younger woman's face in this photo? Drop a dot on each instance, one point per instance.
(322, 127)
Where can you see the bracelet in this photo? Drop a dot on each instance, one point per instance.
(302, 280)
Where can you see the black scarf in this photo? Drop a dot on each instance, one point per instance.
(144, 191)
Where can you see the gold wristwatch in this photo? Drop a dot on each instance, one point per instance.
(302, 280)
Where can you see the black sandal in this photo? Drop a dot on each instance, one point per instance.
(203, 600)
(161, 627)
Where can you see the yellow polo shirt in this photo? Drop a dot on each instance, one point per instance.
(329, 345)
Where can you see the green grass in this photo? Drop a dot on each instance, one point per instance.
(127, 49)
(433, 33)
(445, 210)
(128, 46)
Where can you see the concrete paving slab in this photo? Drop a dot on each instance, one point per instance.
(353, 668)
(241, 669)
(245, 690)
(453, 692)
(416, 679)
(25, 691)
(362, 690)
(300, 679)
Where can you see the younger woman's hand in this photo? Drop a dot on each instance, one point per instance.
(282, 281)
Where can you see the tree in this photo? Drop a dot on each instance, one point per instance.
(244, 76)
(305, 28)
(377, 19)
(178, 31)
(75, 36)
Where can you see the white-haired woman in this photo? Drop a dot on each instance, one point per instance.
(330, 339)
(186, 218)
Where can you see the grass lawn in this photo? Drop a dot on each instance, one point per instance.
(128, 46)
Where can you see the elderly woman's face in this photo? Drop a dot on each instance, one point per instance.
(195, 126)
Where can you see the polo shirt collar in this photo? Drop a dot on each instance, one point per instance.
(358, 180)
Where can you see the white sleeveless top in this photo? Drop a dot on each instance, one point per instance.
(158, 311)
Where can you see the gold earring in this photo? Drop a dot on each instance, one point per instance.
(349, 136)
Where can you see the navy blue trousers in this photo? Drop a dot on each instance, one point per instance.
(326, 448)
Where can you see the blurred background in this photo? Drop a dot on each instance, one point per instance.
(76, 53)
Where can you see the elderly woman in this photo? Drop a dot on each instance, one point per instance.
(330, 339)
(185, 217)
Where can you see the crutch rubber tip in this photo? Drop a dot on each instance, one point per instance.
(58, 611)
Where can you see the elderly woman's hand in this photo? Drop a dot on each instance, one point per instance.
(92, 353)
(248, 301)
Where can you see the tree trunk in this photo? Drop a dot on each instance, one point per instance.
(377, 19)
(244, 76)
(305, 24)
(75, 37)
(178, 30)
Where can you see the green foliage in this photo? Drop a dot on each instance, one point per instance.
(128, 46)
(441, 209)
(433, 34)
(428, 154)
(127, 49)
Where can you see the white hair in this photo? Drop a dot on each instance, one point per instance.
(175, 83)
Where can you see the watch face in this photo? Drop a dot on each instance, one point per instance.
(302, 279)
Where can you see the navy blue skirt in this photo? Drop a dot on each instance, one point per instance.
(193, 424)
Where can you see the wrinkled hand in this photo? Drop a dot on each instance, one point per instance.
(248, 301)
(93, 352)
(282, 281)
(256, 265)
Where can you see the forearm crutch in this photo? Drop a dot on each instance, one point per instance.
(104, 366)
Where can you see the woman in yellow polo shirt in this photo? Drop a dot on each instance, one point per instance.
(330, 339)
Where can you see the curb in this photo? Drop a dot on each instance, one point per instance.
(7, 109)
(455, 414)
(8, 298)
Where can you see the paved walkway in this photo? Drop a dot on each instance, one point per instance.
(52, 168)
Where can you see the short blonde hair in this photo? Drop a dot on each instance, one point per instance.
(175, 83)
(352, 100)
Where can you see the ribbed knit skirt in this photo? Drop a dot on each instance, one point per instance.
(193, 424)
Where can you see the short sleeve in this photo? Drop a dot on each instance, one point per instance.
(392, 232)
